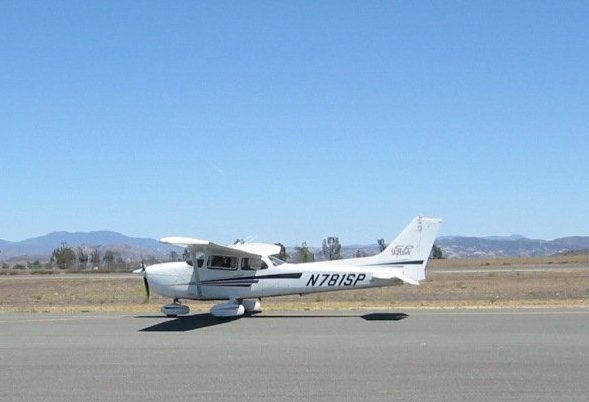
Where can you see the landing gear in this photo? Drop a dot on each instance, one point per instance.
(236, 308)
(233, 308)
(252, 306)
(175, 309)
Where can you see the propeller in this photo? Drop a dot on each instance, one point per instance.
(143, 273)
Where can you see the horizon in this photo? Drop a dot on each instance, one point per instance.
(294, 120)
(486, 237)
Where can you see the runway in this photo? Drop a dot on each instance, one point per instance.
(373, 356)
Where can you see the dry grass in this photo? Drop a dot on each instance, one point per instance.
(573, 259)
(560, 286)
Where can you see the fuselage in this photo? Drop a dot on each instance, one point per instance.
(178, 280)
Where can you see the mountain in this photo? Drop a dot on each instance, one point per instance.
(511, 246)
(40, 248)
(512, 237)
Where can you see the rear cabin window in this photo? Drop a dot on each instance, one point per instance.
(253, 264)
(222, 262)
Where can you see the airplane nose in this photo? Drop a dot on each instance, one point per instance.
(140, 271)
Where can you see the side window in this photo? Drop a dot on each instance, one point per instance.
(222, 262)
(253, 264)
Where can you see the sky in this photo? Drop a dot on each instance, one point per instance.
(292, 121)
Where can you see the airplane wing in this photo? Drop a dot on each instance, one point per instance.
(184, 241)
(238, 250)
(388, 275)
(263, 249)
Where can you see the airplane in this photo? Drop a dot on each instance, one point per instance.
(245, 273)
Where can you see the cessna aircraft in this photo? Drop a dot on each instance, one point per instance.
(244, 273)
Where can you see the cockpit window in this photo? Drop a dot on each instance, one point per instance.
(222, 262)
(253, 264)
(276, 261)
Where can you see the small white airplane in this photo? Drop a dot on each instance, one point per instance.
(245, 273)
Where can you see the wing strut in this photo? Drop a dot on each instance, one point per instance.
(193, 250)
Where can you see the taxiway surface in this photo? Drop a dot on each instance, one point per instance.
(371, 356)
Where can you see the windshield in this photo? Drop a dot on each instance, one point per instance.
(275, 260)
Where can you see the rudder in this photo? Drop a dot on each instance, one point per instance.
(412, 247)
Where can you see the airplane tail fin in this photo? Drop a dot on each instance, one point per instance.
(409, 252)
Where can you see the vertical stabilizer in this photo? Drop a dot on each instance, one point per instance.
(410, 250)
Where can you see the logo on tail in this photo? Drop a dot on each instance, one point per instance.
(401, 250)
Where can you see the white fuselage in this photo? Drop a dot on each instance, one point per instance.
(177, 279)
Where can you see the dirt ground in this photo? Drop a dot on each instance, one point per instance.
(447, 286)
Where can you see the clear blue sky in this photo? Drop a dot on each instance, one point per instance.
(292, 121)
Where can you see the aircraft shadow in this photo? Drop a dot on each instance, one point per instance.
(384, 316)
(187, 323)
(367, 317)
(203, 320)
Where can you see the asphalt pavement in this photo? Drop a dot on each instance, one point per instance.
(454, 355)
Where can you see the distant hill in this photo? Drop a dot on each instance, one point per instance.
(40, 248)
(512, 246)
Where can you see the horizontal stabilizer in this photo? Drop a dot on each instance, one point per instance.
(389, 274)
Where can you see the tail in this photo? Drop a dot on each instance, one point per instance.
(407, 255)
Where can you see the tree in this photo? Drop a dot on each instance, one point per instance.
(109, 258)
(283, 255)
(34, 265)
(119, 261)
(150, 260)
(112, 259)
(95, 257)
(174, 256)
(381, 244)
(436, 253)
(360, 254)
(303, 254)
(82, 258)
(64, 257)
(332, 248)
